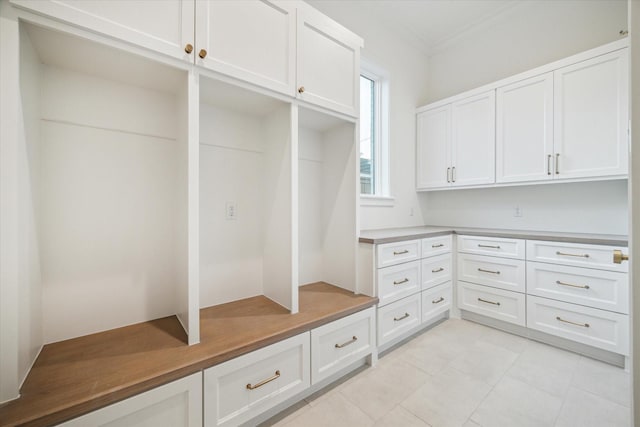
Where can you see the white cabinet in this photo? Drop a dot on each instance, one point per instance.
(398, 281)
(494, 246)
(503, 273)
(251, 40)
(244, 387)
(524, 130)
(576, 254)
(435, 301)
(591, 113)
(456, 143)
(163, 26)
(328, 57)
(176, 404)
(491, 302)
(399, 318)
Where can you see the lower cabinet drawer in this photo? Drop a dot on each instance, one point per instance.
(336, 345)
(607, 290)
(507, 274)
(398, 318)
(436, 301)
(436, 270)
(591, 326)
(497, 303)
(238, 390)
(398, 281)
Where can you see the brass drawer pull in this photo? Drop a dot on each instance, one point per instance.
(400, 282)
(453, 174)
(573, 286)
(549, 164)
(448, 173)
(575, 255)
(263, 382)
(584, 325)
(437, 301)
(439, 245)
(351, 341)
(488, 271)
(437, 270)
(557, 163)
(202, 54)
(188, 48)
(301, 89)
(397, 319)
(401, 252)
(489, 246)
(488, 302)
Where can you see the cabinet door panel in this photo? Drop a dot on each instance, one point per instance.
(591, 117)
(252, 40)
(473, 140)
(164, 26)
(524, 130)
(433, 148)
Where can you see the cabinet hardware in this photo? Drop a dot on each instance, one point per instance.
(188, 48)
(265, 381)
(584, 325)
(549, 164)
(437, 301)
(488, 271)
(400, 282)
(453, 174)
(573, 286)
(448, 174)
(344, 344)
(488, 246)
(575, 255)
(202, 54)
(397, 319)
(437, 270)
(557, 163)
(439, 245)
(401, 252)
(488, 302)
(618, 256)
(301, 89)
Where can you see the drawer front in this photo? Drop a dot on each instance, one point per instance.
(436, 270)
(579, 255)
(503, 273)
(436, 301)
(497, 303)
(398, 281)
(238, 390)
(396, 253)
(506, 248)
(602, 289)
(598, 328)
(433, 246)
(398, 318)
(336, 345)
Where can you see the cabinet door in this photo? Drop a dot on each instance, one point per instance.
(252, 40)
(473, 140)
(433, 167)
(591, 117)
(524, 130)
(328, 62)
(164, 26)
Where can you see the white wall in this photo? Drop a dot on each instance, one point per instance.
(407, 67)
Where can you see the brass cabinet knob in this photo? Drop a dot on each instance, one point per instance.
(202, 53)
(301, 89)
(618, 256)
(188, 48)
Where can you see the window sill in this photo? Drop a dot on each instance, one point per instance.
(372, 200)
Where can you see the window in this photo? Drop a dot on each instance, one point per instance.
(374, 152)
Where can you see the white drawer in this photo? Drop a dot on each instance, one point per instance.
(398, 318)
(336, 345)
(433, 246)
(497, 303)
(598, 328)
(503, 273)
(607, 290)
(398, 252)
(506, 248)
(436, 270)
(398, 281)
(276, 373)
(579, 255)
(436, 301)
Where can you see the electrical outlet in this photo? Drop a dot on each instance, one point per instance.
(231, 210)
(517, 212)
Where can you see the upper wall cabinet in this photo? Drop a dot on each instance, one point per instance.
(433, 148)
(164, 26)
(251, 40)
(328, 62)
(591, 112)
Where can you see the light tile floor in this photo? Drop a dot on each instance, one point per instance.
(464, 374)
